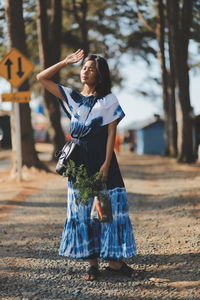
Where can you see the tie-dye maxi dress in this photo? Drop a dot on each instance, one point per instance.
(83, 237)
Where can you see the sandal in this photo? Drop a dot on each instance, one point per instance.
(124, 270)
(92, 273)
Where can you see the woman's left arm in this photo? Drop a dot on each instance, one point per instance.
(112, 128)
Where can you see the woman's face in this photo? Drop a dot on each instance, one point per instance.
(89, 74)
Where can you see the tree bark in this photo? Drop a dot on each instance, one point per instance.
(82, 21)
(49, 51)
(17, 39)
(172, 125)
(179, 20)
(167, 84)
(168, 100)
(160, 35)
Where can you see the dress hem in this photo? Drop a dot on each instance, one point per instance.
(98, 256)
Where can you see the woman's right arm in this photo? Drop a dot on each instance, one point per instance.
(45, 76)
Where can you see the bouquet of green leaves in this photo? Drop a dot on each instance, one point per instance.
(87, 186)
(90, 187)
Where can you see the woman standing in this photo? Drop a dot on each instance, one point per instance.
(94, 114)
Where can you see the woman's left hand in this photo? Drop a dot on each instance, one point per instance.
(104, 172)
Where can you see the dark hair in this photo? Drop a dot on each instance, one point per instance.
(103, 86)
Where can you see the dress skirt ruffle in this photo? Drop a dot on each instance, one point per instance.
(86, 238)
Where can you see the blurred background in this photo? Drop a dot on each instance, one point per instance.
(152, 49)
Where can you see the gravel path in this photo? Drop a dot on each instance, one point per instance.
(164, 208)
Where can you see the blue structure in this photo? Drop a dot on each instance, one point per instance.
(40, 109)
(150, 138)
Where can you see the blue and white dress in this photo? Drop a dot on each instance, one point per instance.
(83, 237)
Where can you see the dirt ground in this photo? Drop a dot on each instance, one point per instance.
(164, 206)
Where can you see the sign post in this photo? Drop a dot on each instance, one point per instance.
(15, 68)
(18, 140)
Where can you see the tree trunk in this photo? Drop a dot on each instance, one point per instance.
(168, 100)
(172, 128)
(188, 148)
(173, 103)
(49, 51)
(160, 28)
(81, 19)
(179, 20)
(17, 39)
(84, 27)
(168, 86)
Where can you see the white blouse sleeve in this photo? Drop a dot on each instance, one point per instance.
(69, 105)
(105, 111)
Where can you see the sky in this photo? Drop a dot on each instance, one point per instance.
(135, 106)
(140, 108)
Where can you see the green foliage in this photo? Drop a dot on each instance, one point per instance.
(87, 186)
(30, 17)
(101, 24)
(112, 28)
(2, 31)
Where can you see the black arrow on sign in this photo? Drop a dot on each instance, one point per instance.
(9, 63)
(20, 73)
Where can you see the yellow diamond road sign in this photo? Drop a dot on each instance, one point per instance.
(15, 67)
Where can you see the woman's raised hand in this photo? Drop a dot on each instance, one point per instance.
(74, 57)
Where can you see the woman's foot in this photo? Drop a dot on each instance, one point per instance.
(122, 268)
(92, 273)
